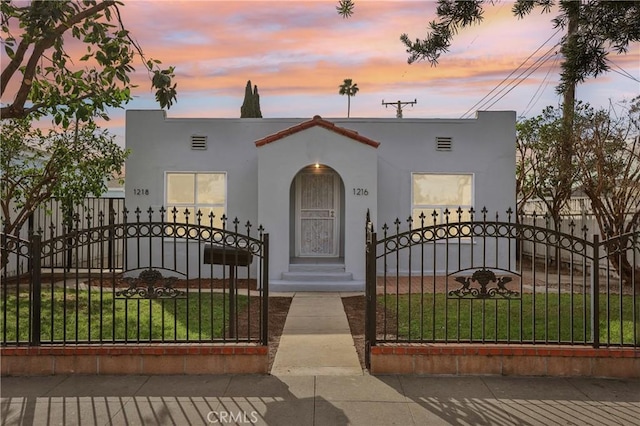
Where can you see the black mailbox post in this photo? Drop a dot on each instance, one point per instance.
(232, 257)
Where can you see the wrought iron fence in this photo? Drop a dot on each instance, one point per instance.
(53, 218)
(464, 278)
(167, 281)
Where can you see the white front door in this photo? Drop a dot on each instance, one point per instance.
(317, 213)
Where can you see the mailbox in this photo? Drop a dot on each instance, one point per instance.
(224, 255)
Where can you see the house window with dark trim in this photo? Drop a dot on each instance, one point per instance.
(195, 191)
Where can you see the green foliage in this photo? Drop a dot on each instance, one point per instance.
(68, 163)
(600, 27)
(345, 8)
(42, 80)
(350, 89)
(608, 159)
(251, 104)
(541, 169)
(605, 163)
(605, 166)
(453, 16)
(49, 82)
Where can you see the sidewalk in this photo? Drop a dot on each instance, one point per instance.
(316, 400)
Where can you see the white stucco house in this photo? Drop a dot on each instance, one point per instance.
(310, 182)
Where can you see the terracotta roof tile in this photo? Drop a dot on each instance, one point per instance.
(317, 121)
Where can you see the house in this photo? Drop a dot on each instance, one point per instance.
(310, 182)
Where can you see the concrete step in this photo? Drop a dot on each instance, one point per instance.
(317, 276)
(284, 286)
(316, 267)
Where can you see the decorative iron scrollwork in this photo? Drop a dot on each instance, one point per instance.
(483, 277)
(150, 284)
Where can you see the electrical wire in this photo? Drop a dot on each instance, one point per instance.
(541, 88)
(530, 69)
(624, 72)
(512, 72)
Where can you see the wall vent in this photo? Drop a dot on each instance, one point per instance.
(443, 143)
(199, 143)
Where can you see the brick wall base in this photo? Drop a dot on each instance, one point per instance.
(505, 360)
(134, 359)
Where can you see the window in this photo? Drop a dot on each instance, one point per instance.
(206, 192)
(435, 191)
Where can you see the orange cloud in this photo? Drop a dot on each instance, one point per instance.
(303, 50)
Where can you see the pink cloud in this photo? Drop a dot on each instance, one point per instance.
(303, 49)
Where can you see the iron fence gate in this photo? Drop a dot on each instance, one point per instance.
(172, 281)
(451, 280)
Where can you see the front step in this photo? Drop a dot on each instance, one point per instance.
(284, 286)
(316, 267)
(316, 277)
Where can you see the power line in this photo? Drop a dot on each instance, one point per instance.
(538, 93)
(624, 72)
(512, 72)
(530, 69)
(526, 76)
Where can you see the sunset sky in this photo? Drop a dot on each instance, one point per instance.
(299, 52)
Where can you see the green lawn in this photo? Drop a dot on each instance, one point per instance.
(554, 319)
(83, 316)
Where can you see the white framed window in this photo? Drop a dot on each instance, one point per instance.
(438, 192)
(193, 191)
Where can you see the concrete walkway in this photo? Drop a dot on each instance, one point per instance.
(316, 400)
(316, 340)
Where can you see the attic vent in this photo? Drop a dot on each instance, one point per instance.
(199, 142)
(443, 143)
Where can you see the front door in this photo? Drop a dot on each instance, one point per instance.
(317, 213)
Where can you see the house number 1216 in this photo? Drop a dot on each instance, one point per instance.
(360, 192)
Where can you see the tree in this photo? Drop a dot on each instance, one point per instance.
(256, 102)
(608, 161)
(350, 89)
(592, 28)
(525, 184)
(251, 104)
(606, 167)
(64, 163)
(43, 79)
(597, 25)
(345, 8)
(539, 163)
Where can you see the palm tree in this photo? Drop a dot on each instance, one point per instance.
(349, 89)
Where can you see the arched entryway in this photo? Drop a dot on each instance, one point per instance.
(317, 214)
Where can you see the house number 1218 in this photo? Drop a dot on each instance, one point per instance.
(360, 192)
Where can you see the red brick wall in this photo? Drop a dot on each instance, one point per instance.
(147, 359)
(505, 360)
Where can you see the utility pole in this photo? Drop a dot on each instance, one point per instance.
(399, 105)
